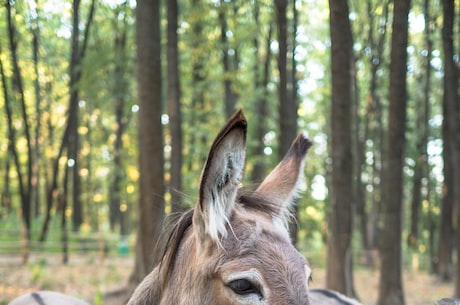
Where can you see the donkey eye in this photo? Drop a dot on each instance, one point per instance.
(243, 287)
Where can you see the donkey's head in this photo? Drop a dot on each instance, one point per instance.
(234, 248)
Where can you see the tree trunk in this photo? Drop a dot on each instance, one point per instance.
(174, 108)
(391, 287)
(421, 167)
(340, 216)
(62, 203)
(52, 191)
(451, 108)
(73, 139)
(77, 54)
(6, 194)
(150, 133)
(229, 60)
(25, 180)
(120, 87)
(261, 79)
(374, 128)
(35, 180)
(287, 105)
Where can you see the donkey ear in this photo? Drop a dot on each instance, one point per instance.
(220, 179)
(281, 186)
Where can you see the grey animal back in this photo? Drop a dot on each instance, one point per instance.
(329, 297)
(46, 298)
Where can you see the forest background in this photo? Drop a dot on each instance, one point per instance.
(373, 83)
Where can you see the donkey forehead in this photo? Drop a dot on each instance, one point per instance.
(257, 235)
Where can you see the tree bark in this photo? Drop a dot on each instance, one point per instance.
(422, 126)
(35, 179)
(261, 72)
(150, 133)
(286, 105)
(391, 286)
(6, 193)
(340, 215)
(120, 88)
(229, 61)
(25, 180)
(174, 108)
(451, 106)
(374, 128)
(73, 139)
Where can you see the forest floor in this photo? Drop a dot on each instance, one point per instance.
(89, 277)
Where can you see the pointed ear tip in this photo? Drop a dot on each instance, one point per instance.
(303, 143)
(239, 116)
(237, 120)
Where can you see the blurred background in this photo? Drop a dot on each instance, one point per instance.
(108, 113)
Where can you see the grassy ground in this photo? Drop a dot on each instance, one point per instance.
(89, 277)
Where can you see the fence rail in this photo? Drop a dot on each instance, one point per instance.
(101, 244)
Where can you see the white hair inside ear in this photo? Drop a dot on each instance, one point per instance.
(220, 180)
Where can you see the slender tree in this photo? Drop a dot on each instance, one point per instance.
(451, 108)
(391, 286)
(24, 178)
(230, 56)
(375, 126)
(78, 51)
(73, 144)
(368, 214)
(150, 133)
(340, 214)
(120, 88)
(261, 68)
(287, 107)
(174, 107)
(422, 128)
(35, 180)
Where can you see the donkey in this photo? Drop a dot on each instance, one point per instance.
(234, 247)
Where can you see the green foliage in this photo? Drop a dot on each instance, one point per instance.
(202, 77)
(37, 270)
(99, 298)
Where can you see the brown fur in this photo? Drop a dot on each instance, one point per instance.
(197, 268)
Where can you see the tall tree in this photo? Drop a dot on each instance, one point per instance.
(422, 128)
(24, 179)
(287, 104)
(287, 107)
(230, 56)
(199, 75)
(391, 287)
(446, 230)
(73, 144)
(338, 275)
(78, 52)
(451, 108)
(375, 40)
(34, 192)
(150, 133)
(11, 151)
(120, 89)
(174, 107)
(261, 68)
